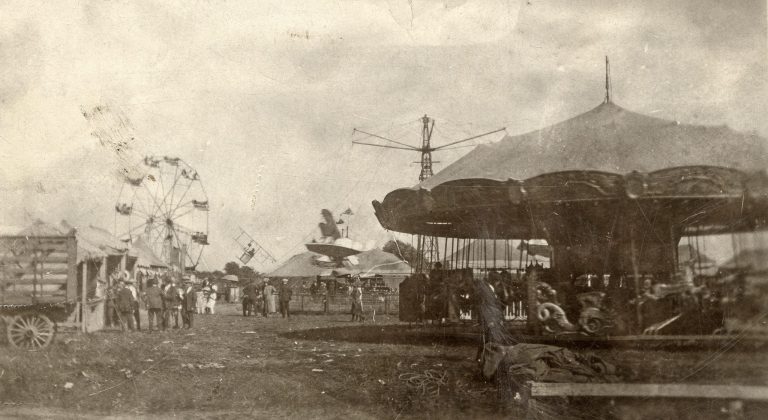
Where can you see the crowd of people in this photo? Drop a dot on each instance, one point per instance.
(264, 299)
(261, 298)
(166, 298)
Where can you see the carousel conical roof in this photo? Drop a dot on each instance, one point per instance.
(598, 164)
(608, 138)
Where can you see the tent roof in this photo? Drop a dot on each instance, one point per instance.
(230, 277)
(374, 261)
(507, 255)
(687, 253)
(611, 139)
(98, 238)
(755, 260)
(85, 249)
(145, 257)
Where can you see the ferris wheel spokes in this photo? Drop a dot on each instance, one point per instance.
(169, 207)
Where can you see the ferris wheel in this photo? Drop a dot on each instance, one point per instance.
(167, 208)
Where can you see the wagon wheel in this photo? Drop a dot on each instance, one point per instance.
(31, 331)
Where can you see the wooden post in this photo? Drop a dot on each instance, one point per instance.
(72, 269)
(84, 298)
(636, 272)
(533, 319)
(675, 258)
(103, 273)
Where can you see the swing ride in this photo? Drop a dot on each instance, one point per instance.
(613, 193)
(335, 248)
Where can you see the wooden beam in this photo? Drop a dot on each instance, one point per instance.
(56, 258)
(84, 298)
(60, 278)
(72, 275)
(735, 392)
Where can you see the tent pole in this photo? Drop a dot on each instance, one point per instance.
(636, 271)
(494, 254)
(698, 250)
(468, 248)
(445, 250)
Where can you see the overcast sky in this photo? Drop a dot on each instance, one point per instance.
(261, 96)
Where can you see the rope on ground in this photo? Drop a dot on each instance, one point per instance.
(428, 383)
(132, 378)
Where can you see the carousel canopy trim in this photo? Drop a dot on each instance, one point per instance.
(599, 163)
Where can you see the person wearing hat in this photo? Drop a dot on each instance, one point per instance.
(173, 297)
(269, 293)
(357, 300)
(124, 306)
(188, 304)
(131, 285)
(155, 305)
(285, 299)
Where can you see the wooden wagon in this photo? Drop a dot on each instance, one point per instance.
(38, 286)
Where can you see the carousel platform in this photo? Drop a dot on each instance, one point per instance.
(464, 332)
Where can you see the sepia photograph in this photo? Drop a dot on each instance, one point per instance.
(384, 209)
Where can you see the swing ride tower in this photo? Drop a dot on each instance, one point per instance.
(427, 250)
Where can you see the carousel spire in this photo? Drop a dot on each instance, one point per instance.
(607, 81)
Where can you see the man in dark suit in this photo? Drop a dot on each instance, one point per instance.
(189, 304)
(285, 299)
(155, 305)
(172, 303)
(124, 306)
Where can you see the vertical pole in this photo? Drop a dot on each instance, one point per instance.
(533, 320)
(494, 254)
(83, 298)
(636, 272)
(103, 271)
(72, 269)
(673, 243)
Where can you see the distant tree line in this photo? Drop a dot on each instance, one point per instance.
(402, 250)
(243, 273)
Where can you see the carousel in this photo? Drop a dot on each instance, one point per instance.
(614, 194)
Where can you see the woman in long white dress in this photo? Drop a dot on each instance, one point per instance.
(269, 298)
(210, 305)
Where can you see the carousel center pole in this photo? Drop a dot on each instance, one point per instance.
(636, 273)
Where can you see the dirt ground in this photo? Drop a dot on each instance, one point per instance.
(311, 366)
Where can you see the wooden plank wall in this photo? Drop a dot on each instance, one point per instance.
(37, 269)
